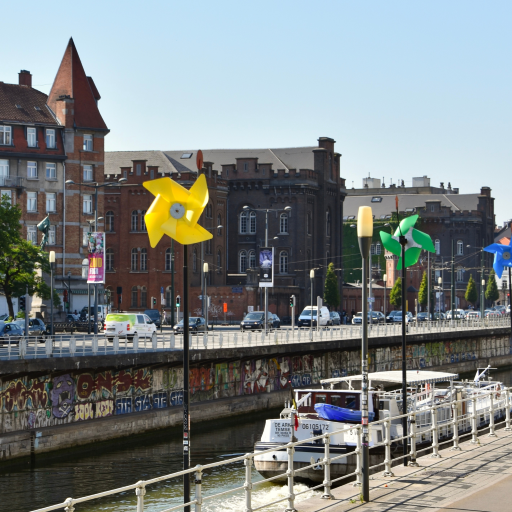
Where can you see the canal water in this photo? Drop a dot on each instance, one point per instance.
(53, 478)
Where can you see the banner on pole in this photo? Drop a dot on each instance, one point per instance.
(266, 267)
(96, 249)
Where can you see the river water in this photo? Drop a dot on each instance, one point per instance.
(53, 478)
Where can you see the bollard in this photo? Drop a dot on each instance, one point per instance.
(95, 344)
(135, 342)
(387, 459)
(507, 409)
(474, 431)
(290, 474)
(359, 463)
(154, 341)
(435, 434)
(275, 338)
(69, 505)
(198, 497)
(491, 416)
(248, 482)
(327, 470)
(413, 462)
(140, 492)
(22, 347)
(455, 424)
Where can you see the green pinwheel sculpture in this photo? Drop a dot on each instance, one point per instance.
(417, 241)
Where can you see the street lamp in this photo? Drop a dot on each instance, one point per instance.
(52, 268)
(205, 296)
(482, 300)
(385, 278)
(69, 291)
(312, 277)
(440, 283)
(91, 223)
(364, 236)
(96, 186)
(267, 210)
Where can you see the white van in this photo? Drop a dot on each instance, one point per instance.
(128, 324)
(312, 311)
(102, 312)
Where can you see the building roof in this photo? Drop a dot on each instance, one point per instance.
(386, 206)
(114, 160)
(72, 81)
(279, 158)
(32, 105)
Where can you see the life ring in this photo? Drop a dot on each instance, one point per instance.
(498, 391)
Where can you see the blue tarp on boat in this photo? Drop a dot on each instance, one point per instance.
(334, 413)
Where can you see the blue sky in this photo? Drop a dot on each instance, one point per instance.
(405, 88)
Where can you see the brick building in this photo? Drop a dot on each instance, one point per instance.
(44, 141)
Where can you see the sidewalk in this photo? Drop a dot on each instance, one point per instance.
(475, 479)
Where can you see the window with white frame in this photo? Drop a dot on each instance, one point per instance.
(252, 259)
(168, 259)
(85, 236)
(135, 220)
(50, 138)
(87, 200)
(144, 259)
(32, 170)
(31, 138)
(51, 202)
(51, 236)
(109, 221)
(252, 223)
(242, 262)
(460, 274)
(31, 201)
(243, 222)
(283, 262)
(51, 171)
(378, 248)
(5, 135)
(143, 221)
(7, 194)
(135, 256)
(460, 247)
(109, 260)
(437, 246)
(87, 172)
(87, 142)
(32, 234)
(85, 268)
(283, 223)
(138, 169)
(4, 171)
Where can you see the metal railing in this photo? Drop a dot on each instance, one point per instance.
(66, 345)
(482, 412)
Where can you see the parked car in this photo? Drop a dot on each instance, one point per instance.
(398, 317)
(473, 315)
(458, 314)
(391, 316)
(310, 313)
(276, 322)
(489, 313)
(128, 324)
(378, 317)
(71, 317)
(195, 324)
(102, 312)
(335, 318)
(439, 316)
(36, 326)
(154, 314)
(422, 317)
(10, 332)
(3, 318)
(256, 321)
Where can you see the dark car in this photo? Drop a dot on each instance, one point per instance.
(422, 317)
(154, 314)
(256, 321)
(276, 321)
(195, 324)
(391, 317)
(10, 332)
(335, 318)
(36, 326)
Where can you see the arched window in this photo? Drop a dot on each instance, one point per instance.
(219, 223)
(437, 246)
(283, 262)
(378, 248)
(143, 259)
(135, 220)
(460, 247)
(135, 297)
(194, 261)
(252, 223)
(219, 260)
(243, 222)
(143, 297)
(109, 259)
(143, 221)
(134, 260)
(168, 259)
(309, 223)
(283, 223)
(242, 258)
(109, 221)
(252, 259)
(328, 223)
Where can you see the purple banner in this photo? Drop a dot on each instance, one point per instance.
(96, 249)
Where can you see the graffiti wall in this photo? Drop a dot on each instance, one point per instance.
(28, 403)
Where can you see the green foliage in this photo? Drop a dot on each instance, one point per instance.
(56, 299)
(331, 290)
(20, 314)
(9, 319)
(423, 293)
(491, 292)
(471, 291)
(395, 296)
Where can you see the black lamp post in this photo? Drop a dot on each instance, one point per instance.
(52, 268)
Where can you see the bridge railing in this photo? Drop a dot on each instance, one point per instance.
(77, 344)
(485, 410)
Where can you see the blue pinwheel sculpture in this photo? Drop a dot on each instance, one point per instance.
(502, 257)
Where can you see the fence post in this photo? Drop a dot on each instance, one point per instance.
(140, 492)
(116, 344)
(435, 433)
(135, 342)
(413, 462)
(220, 339)
(455, 423)
(474, 431)
(491, 416)
(359, 456)
(507, 409)
(327, 470)
(248, 482)
(198, 497)
(154, 341)
(69, 505)
(387, 459)
(290, 474)
(95, 344)
(22, 347)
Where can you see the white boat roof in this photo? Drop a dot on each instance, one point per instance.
(395, 377)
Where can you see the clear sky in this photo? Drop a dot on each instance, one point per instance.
(405, 88)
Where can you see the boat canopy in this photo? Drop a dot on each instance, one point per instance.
(414, 377)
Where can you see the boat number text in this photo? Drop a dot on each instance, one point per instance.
(316, 426)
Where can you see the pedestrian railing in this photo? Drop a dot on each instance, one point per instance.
(75, 345)
(427, 427)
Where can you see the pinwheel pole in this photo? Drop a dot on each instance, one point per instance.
(403, 243)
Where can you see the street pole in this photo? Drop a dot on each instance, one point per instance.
(95, 284)
(428, 287)
(385, 277)
(173, 298)
(482, 307)
(452, 283)
(510, 298)
(69, 291)
(440, 283)
(88, 308)
(272, 271)
(186, 402)
(370, 279)
(312, 277)
(205, 272)
(52, 268)
(364, 235)
(403, 243)
(202, 280)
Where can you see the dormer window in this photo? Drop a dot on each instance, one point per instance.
(87, 142)
(5, 135)
(31, 137)
(185, 156)
(50, 138)
(246, 167)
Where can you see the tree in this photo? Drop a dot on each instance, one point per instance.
(491, 292)
(471, 292)
(20, 260)
(423, 293)
(331, 290)
(395, 296)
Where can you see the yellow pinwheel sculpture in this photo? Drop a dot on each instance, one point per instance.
(176, 210)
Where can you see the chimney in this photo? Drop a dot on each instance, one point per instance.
(25, 78)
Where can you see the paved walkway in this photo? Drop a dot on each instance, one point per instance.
(476, 479)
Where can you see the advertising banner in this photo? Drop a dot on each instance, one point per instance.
(266, 267)
(96, 249)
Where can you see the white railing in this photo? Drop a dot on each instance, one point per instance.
(74, 345)
(492, 407)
